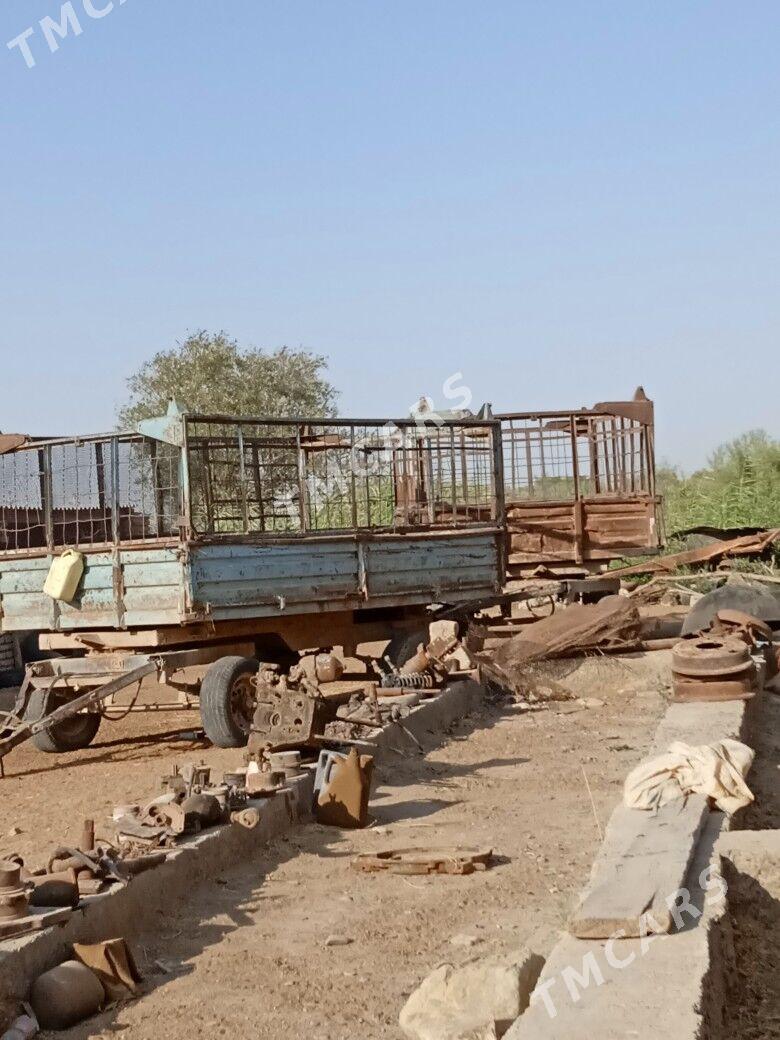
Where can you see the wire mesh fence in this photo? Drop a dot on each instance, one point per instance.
(88, 492)
(567, 456)
(247, 477)
(288, 477)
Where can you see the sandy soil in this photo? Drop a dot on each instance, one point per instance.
(764, 737)
(46, 797)
(741, 997)
(752, 968)
(248, 951)
(751, 951)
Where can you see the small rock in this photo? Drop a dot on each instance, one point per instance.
(464, 940)
(590, 702)
(482, 999)
(14, 831)
(165, 967)
(443, 630)
(338, 940)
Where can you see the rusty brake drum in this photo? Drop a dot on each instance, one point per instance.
(711, 656)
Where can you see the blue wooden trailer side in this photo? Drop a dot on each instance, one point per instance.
(170, 585)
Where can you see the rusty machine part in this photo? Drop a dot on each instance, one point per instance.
(455, 860)
(751, 630)
(65, 995)
(14, 895)
(190, 778)
(747, 627)
(263, 783)
(174, 817)
(412, 681)
(287, 762)
(205, 808)
(418, 662)
(739, 623)
(710, 655)
(248, 818)
(55, 890)
(713, 668)
(290, 712)
(328, 668)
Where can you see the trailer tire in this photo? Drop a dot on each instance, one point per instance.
(70, 735)
(226, 701)
(403, 646)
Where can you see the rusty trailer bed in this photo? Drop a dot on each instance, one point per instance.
(579, 487)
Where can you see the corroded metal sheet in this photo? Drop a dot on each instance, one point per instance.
(126, 589)
(580, 485)
(333, 574)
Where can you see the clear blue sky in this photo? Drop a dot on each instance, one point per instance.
(559, 199)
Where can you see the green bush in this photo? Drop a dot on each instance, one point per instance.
(739, 487)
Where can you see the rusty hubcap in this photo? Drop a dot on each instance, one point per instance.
(242, 701)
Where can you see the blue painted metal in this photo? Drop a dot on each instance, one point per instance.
(168, 428)
(143, 573)
(151, 593)
(160, 586)
(240, 581)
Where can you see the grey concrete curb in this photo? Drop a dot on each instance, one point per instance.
(127, 910)
(641, 987)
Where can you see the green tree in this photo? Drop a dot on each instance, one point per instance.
(210, 372)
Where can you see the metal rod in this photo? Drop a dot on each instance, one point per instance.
(242, 477)
(352, 480)
(66, 711)
(301, 480)
(453, 477)
(47, 492)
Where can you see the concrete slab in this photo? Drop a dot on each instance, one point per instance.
(645, 857)
(629, 988)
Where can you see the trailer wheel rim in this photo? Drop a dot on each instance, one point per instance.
(68, 729)
(242, 701)
(71, 728)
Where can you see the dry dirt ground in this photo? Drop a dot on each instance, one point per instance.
(248, 953)
(748, 941)
(752, 967)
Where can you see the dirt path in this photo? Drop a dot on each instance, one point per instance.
(249, 949)
(46, 797)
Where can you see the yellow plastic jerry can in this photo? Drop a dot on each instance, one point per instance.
(64, 576)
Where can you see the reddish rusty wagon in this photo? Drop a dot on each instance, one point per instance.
(579, 487)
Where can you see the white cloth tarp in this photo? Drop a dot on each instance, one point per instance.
(717, 770)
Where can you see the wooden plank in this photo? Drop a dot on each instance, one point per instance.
(751, 544)
(642, 864)
(305, 630)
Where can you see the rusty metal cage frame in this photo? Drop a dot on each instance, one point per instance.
(585, 454)
(296, 478)
(328, 477)
(100, 490)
